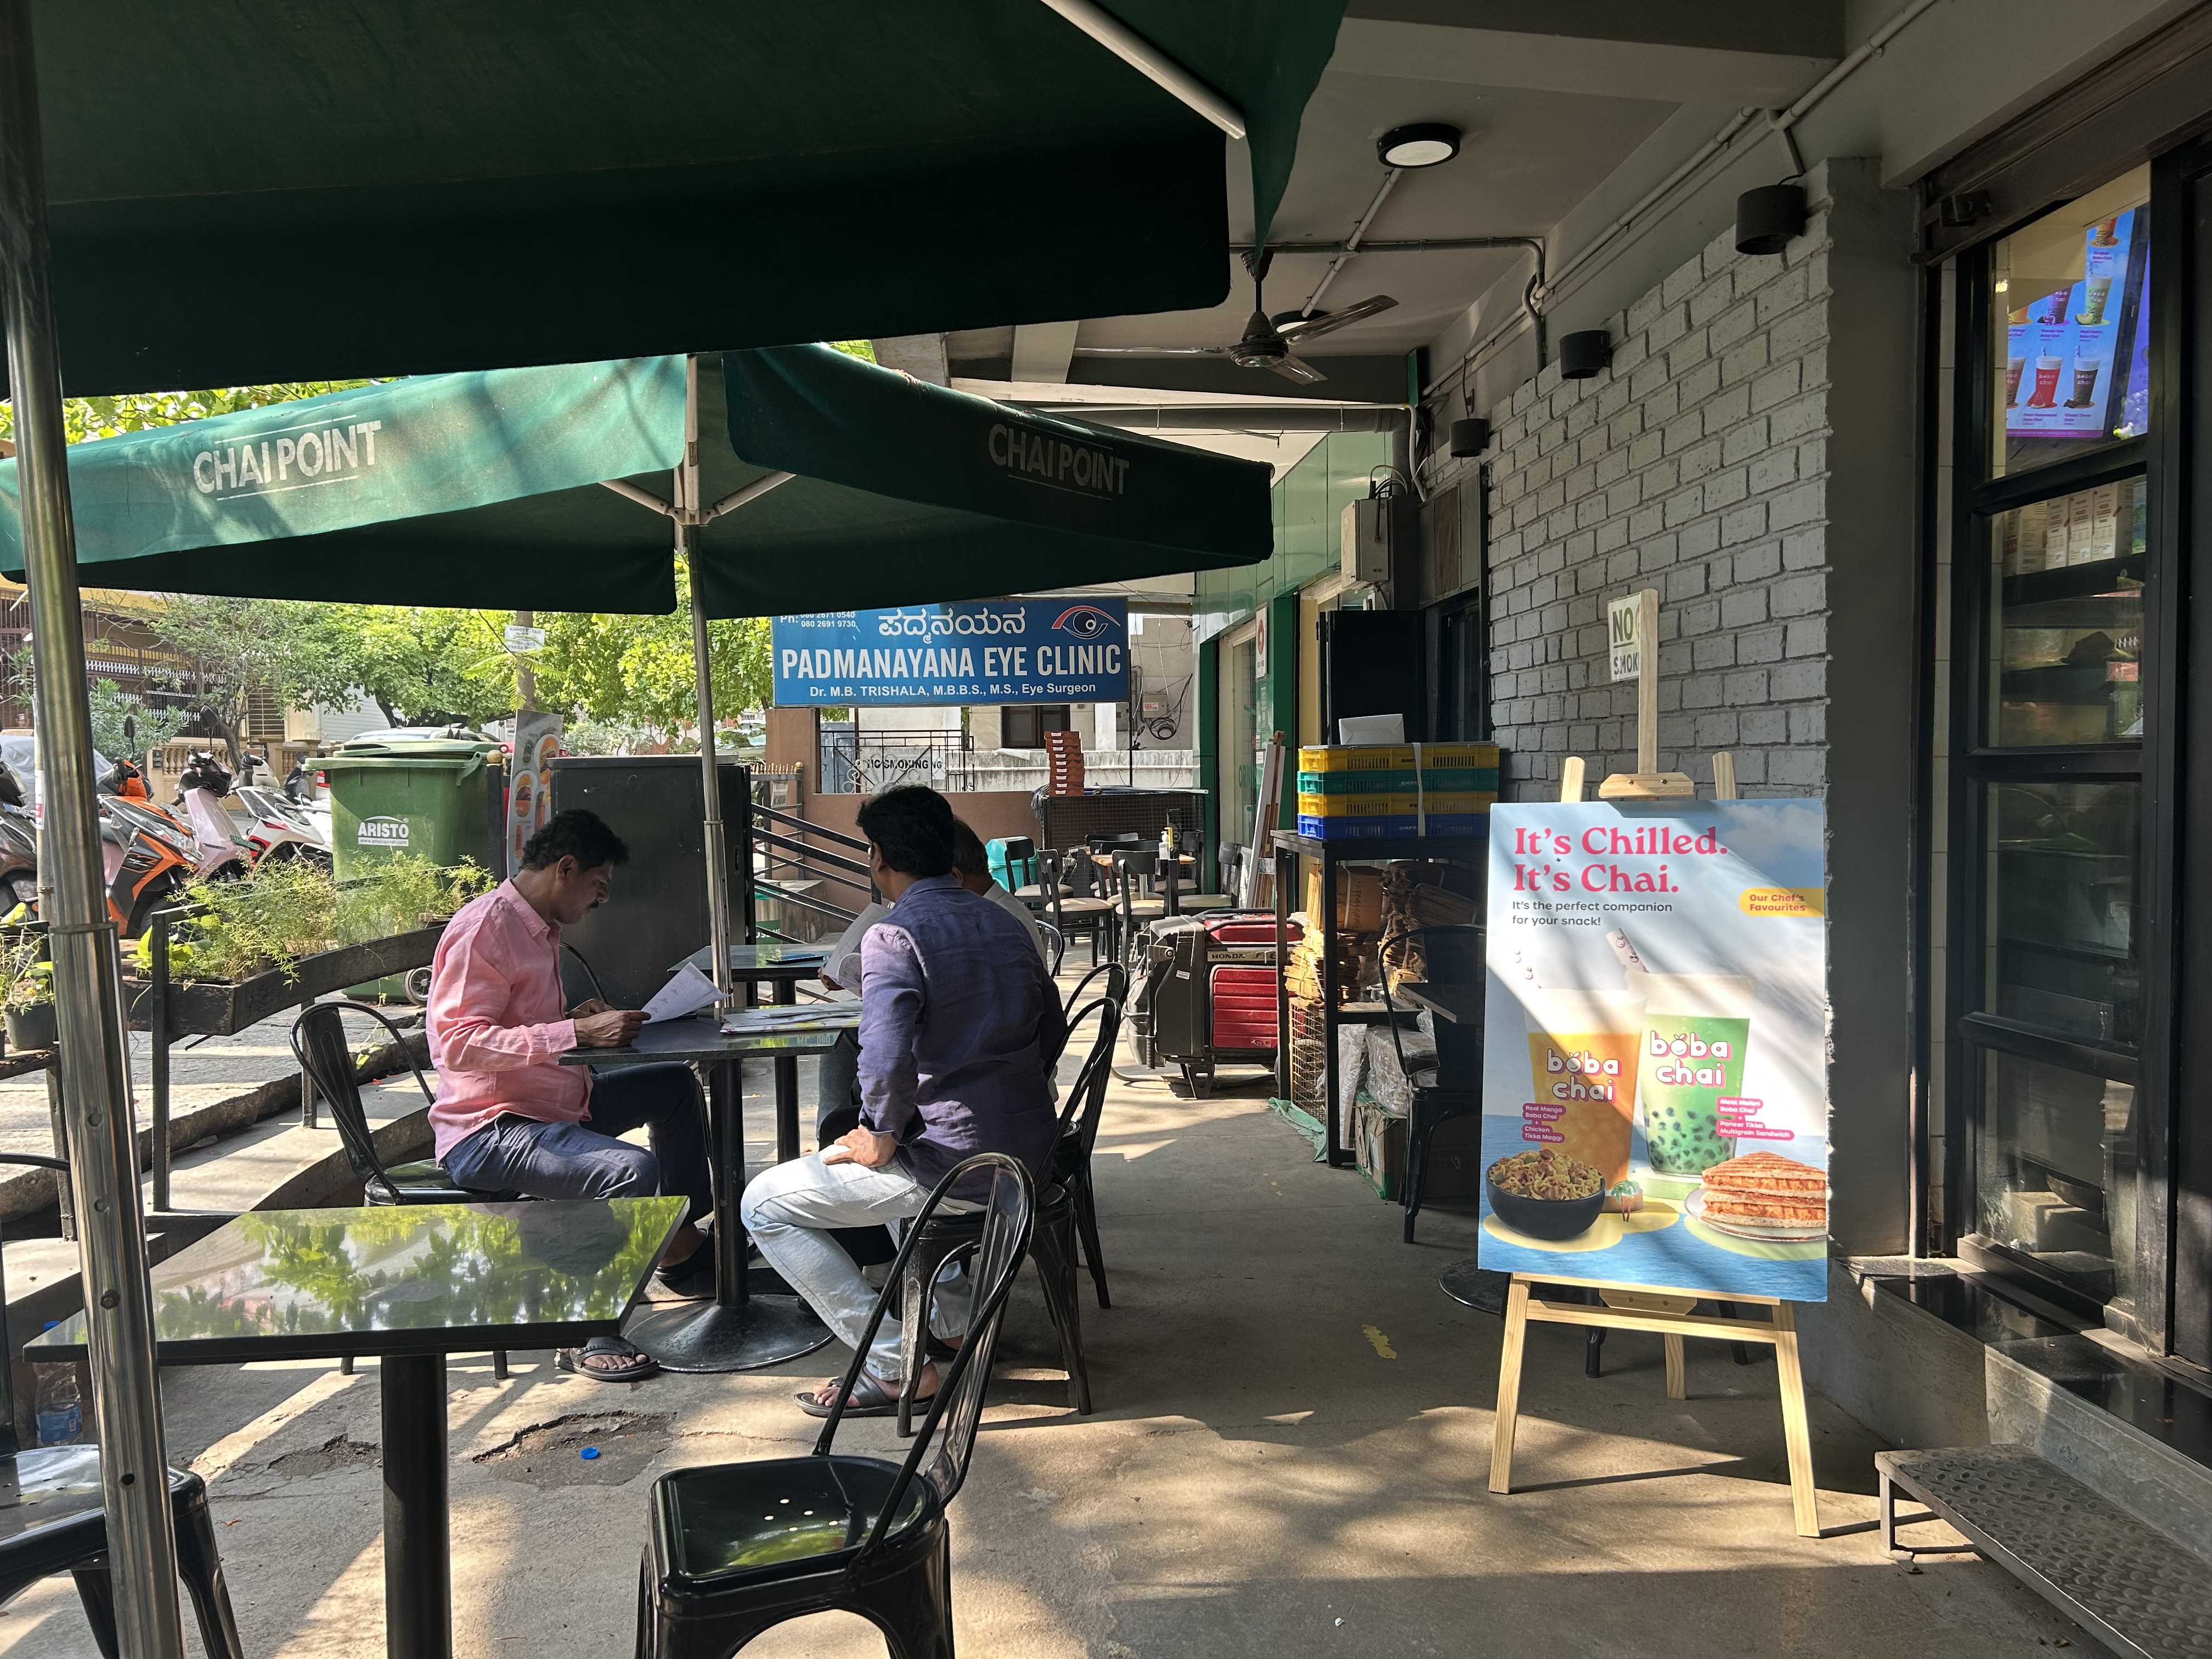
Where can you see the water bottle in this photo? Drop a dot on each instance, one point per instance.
(61, 1405)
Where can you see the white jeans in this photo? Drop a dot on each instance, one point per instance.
(788, 1211)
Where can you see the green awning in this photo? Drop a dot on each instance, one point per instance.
(266, 190)
(487, 489)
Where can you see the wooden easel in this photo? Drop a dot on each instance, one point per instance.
(1671, 1314)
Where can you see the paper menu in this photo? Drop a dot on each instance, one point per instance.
(686, 994)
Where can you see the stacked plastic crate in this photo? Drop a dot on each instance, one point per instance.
(1394, 790)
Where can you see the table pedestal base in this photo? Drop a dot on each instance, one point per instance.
(707, 1336)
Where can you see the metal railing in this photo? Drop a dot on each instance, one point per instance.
(869, 762)
(797, 867)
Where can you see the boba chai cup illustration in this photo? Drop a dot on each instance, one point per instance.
(1697, 1030)
(1581, 1073)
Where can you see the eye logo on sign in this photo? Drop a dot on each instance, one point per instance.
(1086, 621)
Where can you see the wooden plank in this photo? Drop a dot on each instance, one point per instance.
(1548, 1276)
(1796, 1427)
(1678, 1370)
(1571, 778)
(1724, 777)
(1647, 683)
(1509, 1385)
(1637, 1319)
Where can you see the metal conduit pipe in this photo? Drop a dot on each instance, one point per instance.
(1390, 178)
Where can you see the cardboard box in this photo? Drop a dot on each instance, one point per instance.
(1358, 898)
(1378, 1149)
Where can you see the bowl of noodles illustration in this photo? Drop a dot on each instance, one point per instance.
(1544, 1193)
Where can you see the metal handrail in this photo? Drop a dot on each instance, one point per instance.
(807, 854)
(797, 823)
(775, 889)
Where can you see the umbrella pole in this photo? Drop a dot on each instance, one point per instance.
(690, 524)
(92, 1060)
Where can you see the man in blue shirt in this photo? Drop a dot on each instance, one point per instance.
(960, 1028)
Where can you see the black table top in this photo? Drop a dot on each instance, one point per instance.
(1460, 1004)
(768, 961)
(409, 1278)
(700, 1038)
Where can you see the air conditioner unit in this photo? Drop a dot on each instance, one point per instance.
(1368, 534)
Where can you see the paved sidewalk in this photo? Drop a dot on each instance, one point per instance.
(1288, 1458)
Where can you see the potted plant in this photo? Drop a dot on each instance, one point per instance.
(27, 991)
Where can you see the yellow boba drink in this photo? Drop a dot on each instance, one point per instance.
(1582, 1074)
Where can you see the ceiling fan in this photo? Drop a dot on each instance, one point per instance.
(1267, 342)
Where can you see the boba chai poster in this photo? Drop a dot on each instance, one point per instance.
(1655, 1104)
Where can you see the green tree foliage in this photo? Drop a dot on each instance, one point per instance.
(238, 645)
(421, 665)
(153, 724)
(636, 671)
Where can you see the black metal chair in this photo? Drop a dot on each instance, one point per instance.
(55, 1521)
(1458, 1055)
(1055, 947)
(1054, 1247)
(737, 1548)
(1078, 1131)
(1117, 985)
(1079, 912)
(318, 1042)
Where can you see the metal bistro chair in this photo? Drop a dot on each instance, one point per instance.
(55, 1523)
(1055, 946)
(737, 1548)
(1080, 913)
(1117, 986)
(318, 1042)
(1458, 1055)
(1053, 1248)
(1078, 1130)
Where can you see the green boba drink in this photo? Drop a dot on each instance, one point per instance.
(1696, 1028)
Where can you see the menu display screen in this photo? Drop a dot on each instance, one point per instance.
(2068, 352)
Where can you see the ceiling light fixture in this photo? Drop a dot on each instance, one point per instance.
(1424, 144)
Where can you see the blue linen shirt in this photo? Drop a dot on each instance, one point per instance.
(960, 1029)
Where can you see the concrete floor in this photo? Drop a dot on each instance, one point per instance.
(1289, 1457)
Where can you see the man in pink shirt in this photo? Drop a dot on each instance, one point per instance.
(510, 1117)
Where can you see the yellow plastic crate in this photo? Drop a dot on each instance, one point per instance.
(1358, 758)
(1355, 806)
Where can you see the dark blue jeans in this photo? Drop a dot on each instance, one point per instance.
(514, 1154)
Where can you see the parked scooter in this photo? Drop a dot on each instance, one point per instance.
(19, 860)
(147, 858)
(282, 829)
(202, 771)
(124, 780)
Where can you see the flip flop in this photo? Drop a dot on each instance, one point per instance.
(572, 1361)
(869, 1398)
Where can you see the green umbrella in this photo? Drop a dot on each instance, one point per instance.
(269, 190)
(793, 478)
(485, 490)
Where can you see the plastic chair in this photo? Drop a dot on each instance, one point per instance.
(1054, 1247)
(1462, 1049)
(736, 1549)
(56, 1523)
(318, 1042)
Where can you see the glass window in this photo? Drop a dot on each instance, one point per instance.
(2071, 354)
(2065, 660)
(1023, 726)
(2058, 1169)
(2062, 902)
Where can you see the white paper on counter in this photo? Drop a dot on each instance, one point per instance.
(686, 994)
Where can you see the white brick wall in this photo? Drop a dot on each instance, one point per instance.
(1697, 465)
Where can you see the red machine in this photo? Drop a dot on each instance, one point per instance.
(1207, 998)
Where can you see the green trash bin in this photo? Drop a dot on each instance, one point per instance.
(441, 799)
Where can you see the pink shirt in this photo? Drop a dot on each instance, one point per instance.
(497, 1019)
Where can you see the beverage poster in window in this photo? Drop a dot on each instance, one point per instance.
(2068, 352)
(1655, 1095)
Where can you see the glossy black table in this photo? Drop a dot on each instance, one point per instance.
(408, 1284)
(740, 1330)
(780, 967)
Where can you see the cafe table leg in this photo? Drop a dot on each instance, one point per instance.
(737, 1331)
(419, 1572)
(787, 1086)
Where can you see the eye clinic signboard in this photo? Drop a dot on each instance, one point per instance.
(995, 651)
(1654, 1074)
